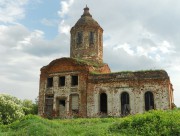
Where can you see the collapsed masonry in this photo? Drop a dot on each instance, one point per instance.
(84, 86)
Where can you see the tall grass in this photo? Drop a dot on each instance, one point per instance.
(153, 123)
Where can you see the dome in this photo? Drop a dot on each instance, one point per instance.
(87, 20)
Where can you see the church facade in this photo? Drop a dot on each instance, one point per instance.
(83, 85)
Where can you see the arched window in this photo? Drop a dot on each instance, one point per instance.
(149, 101)
(103, 103)
(125, 107)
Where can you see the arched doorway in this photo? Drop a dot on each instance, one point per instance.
(103, 103)
(149, 101)
(125, 107)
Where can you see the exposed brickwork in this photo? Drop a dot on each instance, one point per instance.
(135, 84)
(67, 67)
(84, 86)
(87, 50)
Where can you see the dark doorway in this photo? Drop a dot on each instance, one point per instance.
(125, 108)
(62, 107)
(149, 101)
(48, 105)
(103, 103)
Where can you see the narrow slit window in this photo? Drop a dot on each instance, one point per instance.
(62, 81)
(50, 82)
(91, 37)
(79, 37)
(74, 80)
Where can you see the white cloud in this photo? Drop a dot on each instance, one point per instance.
(23, 53)
(12, 34)
(19, 38)
(166, 47)
(28, 40)
(64, 28)
(126, 48)
(11, 10)
(65, 5)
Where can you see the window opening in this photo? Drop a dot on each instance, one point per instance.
(62, 81)
(149, 101)
(74, 80)
(91, 37)
(75, 103)
(50, 82)
(125, 107)
(103, 103)
(79, 37)
(62, 102)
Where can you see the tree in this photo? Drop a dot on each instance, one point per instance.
(10, 109)
(29, 107)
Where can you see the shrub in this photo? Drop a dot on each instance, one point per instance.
(151, 123)
(29, 107)
(10, 109)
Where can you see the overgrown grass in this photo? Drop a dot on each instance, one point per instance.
(89, 62)
(153, 123)
(36, 126)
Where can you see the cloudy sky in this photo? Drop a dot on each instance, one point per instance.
(138, 35)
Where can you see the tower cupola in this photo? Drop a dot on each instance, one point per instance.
(87, 39)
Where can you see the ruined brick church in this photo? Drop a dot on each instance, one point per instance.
(84, 86)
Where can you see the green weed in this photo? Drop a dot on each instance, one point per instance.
(152, 123)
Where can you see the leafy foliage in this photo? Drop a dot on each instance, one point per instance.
(166, 123)
(12, 108)
(29, 107)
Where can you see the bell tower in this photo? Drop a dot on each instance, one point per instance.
(87, 39)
